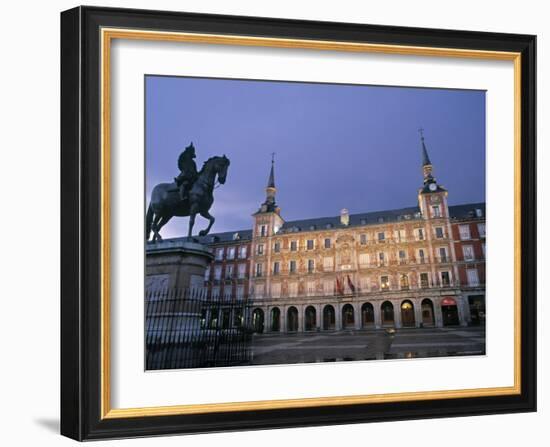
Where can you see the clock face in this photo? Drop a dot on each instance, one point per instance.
(433, 186)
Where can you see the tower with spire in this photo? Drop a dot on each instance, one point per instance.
(268, 215)
(432, 197)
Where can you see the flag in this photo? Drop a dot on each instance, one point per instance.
(339, 287)
(350, 285)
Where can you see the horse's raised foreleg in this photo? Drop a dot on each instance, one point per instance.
(211, 219)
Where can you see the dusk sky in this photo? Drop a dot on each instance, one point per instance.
(337, 146)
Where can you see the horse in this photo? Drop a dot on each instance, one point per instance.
(166, 201)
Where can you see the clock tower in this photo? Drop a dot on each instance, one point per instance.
(432, 197)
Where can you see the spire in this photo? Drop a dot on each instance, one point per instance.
(271, 181)
(425, 158)
(270, 190)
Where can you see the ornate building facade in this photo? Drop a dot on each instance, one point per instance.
(422, 266)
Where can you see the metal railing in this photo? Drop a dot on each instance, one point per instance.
(184, 328)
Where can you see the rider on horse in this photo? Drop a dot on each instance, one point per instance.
(188, 169)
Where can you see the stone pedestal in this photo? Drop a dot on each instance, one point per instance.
(176, 265)
(175, 300)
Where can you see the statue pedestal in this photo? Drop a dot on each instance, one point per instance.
(175, 299)
(176, 265)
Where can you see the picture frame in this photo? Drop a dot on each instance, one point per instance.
(87, 34)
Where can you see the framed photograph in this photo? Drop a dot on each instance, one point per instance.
(276, 223)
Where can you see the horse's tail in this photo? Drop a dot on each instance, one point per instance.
(149, 221)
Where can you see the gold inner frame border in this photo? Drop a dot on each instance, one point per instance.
(107, 35)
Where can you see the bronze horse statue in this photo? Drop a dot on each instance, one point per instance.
(166, 201)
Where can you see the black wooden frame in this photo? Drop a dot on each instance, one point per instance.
(80, 223)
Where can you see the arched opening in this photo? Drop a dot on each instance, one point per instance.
(258, 320)
(407, 314)
(348, 320)
(226, 318)
(428, 318)
(387, 314)
(311, 318)
(449, 310)
(329, 318)
(292, 319)
(367, 315)
(275, 319)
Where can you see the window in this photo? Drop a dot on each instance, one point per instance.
(258, 269)
(229, 271)
(327, 243)
(293, 245)
(481, 229)
(473, 279)
(468, 251)
(231, 253)
(260, 249)
(384, 282)
(219, 254)
(328, 286)
(363, 239)
(381, 237)
(276, 268)
(420, 234)
(421, 256)
(439, 232)
(310, 288)
(259, 290)
(464, 232)
(310, 244)
(263, 230)
(404, 281)
(445, 279)
(424, 280)
(277, 247)
(276, 290)
(328, 264)
(402, 256)
(218, 272)
(364, 259)
(310, 265)
(292, 266)
(436, 211)
(381, 258)
(207, 274)
(483, 249)
(400, 235)
(242, 270)
(443, 254)
(240, 292)
(242, 252)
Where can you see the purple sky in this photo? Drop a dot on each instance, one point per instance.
(337, 146)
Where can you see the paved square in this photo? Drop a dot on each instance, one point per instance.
(268, 349)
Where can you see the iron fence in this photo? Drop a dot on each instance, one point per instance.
(190, 329)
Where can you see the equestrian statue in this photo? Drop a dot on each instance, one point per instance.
(190, 194)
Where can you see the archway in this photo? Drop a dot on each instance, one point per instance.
(258, 320)
(311, 318)
(428, 318)
(449, 309)
(387, 313)
(329, 318)
(348, 317)
(367, 315)
(275, 319)
(407, 314)
(292, 319)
